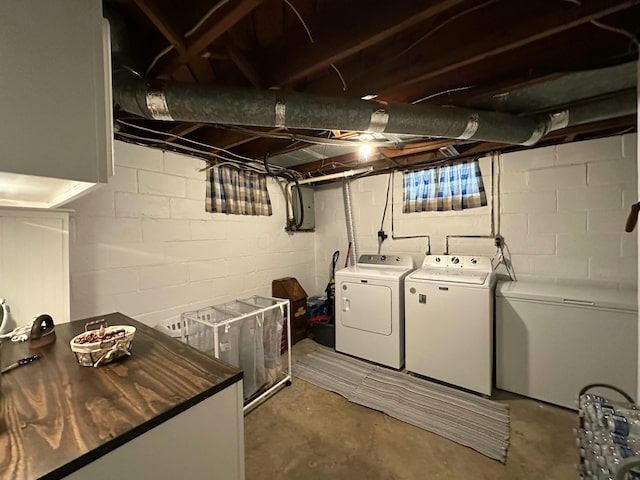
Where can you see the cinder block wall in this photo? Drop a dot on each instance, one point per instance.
(561, 210)
(143, 244)
(564, 210)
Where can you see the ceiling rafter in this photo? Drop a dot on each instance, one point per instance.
(442, 52)
(162, 23)
(546, 24)
(238, 10)
(243, 63)
(347, 38)
(183, 130)
(403, 156)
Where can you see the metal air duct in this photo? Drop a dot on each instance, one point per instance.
(270, 108)
(245, 106)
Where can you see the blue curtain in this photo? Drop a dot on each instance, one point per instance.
(237, 192)
(450, 187)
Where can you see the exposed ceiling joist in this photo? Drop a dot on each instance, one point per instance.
(183, 131)
(243, 64)
(232, 15)
(494, 42)
(346, 37)
(442, 52)
(162, 23)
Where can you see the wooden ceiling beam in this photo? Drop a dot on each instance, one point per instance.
(493, 42)
(183, 130)
(346, 37)
(162, 23)
(243, 63)
(429, 151)
(231, 16)
(537, 63)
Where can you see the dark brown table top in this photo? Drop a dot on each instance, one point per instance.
(57, 416)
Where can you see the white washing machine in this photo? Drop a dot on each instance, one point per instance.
(449, 321)
(370, 308)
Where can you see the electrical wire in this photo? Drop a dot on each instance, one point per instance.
(402, 237)
(447, 21)
(620, 31)
(195, 142)
(18, 334)
(181, 148)
(190, 32)
(309, 139)
(233, 161)
(610, 28)
(344, 84)
(289, 225)
(306, 139)
(444, 92)
(386, 203)
(381, 234)
(507, 262)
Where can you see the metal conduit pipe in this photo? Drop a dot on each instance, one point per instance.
(348, 213)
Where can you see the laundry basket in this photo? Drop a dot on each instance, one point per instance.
(245, 333)
(171, 327)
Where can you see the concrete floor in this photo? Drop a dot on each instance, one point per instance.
(306, 433)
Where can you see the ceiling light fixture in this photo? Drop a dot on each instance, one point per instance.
(449, 151)
(365, 150)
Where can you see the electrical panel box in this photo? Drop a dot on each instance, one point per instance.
(308, 206)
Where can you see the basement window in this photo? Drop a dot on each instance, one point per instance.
(447, 187)
(237, 192)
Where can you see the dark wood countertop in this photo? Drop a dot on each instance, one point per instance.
(57, 416)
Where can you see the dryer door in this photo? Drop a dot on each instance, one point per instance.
(365, 306)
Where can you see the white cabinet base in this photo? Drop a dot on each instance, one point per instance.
(204, 442)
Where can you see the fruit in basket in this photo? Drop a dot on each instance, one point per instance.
(99, 336)
(98, 347)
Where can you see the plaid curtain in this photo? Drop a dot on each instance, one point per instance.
(237, 192)
(451, 187)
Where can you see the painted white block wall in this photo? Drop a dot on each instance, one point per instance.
(368, 201)
(561, 210)
(144, 245)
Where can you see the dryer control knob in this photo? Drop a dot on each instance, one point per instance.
(383, 258)
(455, 260)
(474, 261)
(437, 259)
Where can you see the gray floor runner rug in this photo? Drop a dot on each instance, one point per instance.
(462, 417)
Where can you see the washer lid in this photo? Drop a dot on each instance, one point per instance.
(570, 294)
(454, 275)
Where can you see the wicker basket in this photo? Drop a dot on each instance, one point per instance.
(110, 343)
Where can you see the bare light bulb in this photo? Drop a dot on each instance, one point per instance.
(365, 150)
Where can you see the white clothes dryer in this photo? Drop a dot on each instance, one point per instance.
(449, 321)
(370, 308)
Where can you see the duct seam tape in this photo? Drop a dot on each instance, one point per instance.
(157, 105)
(472, 126)
(559, 120)
(537, 134)
(281, 112)
(379, 117)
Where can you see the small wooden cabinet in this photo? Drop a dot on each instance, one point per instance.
(289, 288)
